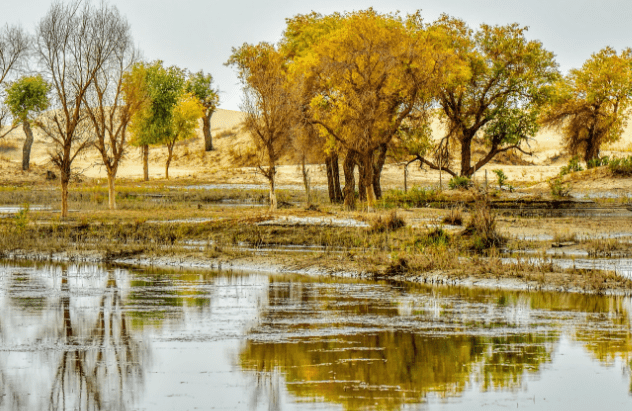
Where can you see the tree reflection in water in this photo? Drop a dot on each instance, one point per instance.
(436, 342)
(101, 365)
(70, 318)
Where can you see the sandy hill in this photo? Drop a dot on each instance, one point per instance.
(192, 161)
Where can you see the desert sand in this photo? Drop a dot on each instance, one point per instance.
(191, 162)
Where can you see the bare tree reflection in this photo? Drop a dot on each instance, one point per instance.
(101, 366)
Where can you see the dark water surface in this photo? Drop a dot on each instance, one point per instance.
(88, 338)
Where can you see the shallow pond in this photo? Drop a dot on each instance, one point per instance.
(91, 337)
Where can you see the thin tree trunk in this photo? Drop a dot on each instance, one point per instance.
(146, 162)
(169, 156)
(273, 199)
(349, 192)
(368, 179)
(308, 196)
(111, 190)
(362, 182)
(333, 179)
(206, 128)
(28, 143)
(64, 179)
(377, 171)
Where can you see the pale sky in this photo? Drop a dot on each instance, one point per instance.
(199, 34)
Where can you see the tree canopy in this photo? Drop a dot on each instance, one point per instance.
(591, 105)
(497, 95)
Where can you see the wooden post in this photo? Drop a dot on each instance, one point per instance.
(485, 183)
(440, 182)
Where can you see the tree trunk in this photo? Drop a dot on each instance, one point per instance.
(368, 179)
(308, 196)
(347, 167)
(111, 191)
(28, 143)
(378, 165)
(362, 182)
(333, 179)
(273, 199)
(592, 148)
(206, 128)
(169, 156)
(64, 180)
(466, 156)
(146, 162)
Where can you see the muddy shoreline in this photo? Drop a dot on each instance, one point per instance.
(548, 282)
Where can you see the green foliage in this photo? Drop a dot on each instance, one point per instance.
(621, 167)
(572, 167)
(559, 188)
(435, 237)
(21, 218)
(164, 87)
(27, 97)
(415, 197)
(201, 86)
(501, 177)
(459, 182)
(598, 162)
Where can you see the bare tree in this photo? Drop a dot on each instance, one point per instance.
(14, 46)
(110, 103)
(73, 42)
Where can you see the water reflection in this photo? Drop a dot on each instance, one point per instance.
(88, 337)
(381, 346)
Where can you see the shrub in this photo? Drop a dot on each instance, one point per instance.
(558, 188)
(621, 166)
(391, 222)
(572, 167)
(434, 237)
(501, 176)
(482, 227)
(459, 182)
(598, 162)
(455, 217)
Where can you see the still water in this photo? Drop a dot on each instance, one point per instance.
(76, 337)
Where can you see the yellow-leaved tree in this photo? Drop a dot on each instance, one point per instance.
(591, 105)
(268, 106)
(184, 121)
(366, 74)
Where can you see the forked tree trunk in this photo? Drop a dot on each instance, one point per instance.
(28, 143)
(273, 199)
(348, 167)
(333, 179)
(146, 162)
(206, 129)
(111, 190)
